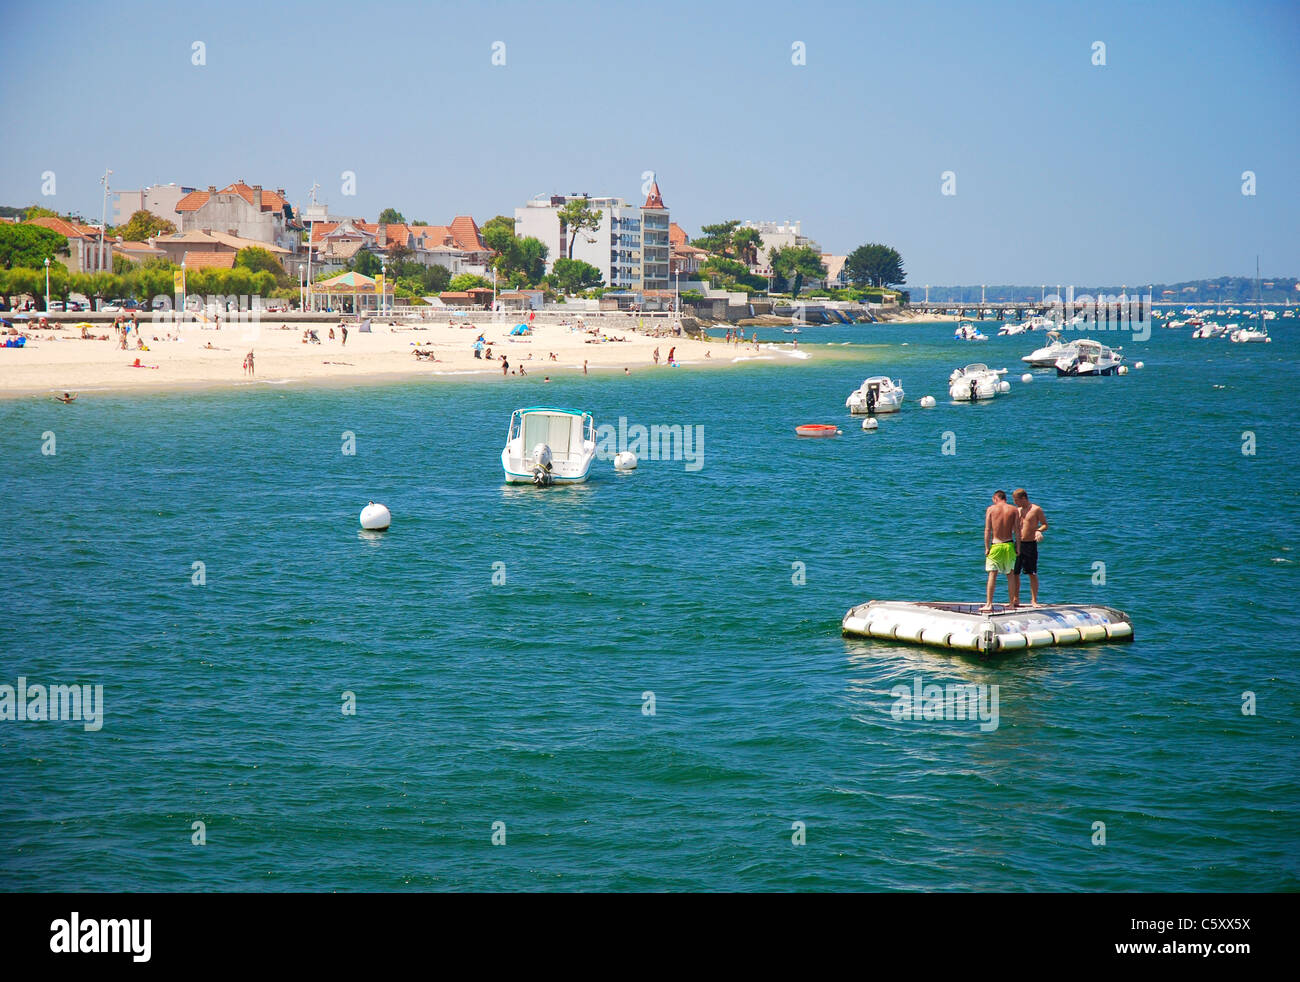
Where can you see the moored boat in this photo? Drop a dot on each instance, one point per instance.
(1050, 353)
(974, 382)
(878, 394)
(546, 446)
(1089, 358)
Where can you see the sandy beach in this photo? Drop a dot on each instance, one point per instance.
(196, 356)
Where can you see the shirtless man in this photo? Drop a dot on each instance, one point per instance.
(1001, 522)
(1032, 523)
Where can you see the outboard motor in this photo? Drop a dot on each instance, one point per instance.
(872, 391)
(974, 387)
(542, 476)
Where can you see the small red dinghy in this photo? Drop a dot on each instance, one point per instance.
(817, 429)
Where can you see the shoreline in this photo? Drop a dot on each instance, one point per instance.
(194, 358)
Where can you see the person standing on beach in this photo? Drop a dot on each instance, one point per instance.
(1032, 524)
(345, 335)
(656, 356)
(584, 366)
(505, 365)
(672, 355)
(1001, 523)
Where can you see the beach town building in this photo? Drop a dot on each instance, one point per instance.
(202, 247)
(685, 259)
(136, 252)
(631, 247)
(157, 199)
(458, 247)
(777, 236)
(836, 278)
(252, 213)
(84, 253)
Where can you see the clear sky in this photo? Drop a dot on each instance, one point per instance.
(1065, 171)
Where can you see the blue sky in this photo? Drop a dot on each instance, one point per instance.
(1065, 171)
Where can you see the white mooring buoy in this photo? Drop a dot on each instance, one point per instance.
(927, 402)
(375, 518)
(870, 423)
(1026, 378)
(1123, 369)
(1004, 386)
(1137, 364)
(625, 460)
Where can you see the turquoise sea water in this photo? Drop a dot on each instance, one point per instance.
(522, 703)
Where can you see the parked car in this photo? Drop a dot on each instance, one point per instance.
(56, 305)
(75, 305)
(111, 306)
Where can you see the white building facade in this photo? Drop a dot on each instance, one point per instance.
(630, 247)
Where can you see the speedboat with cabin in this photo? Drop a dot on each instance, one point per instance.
(546, 446)
(1247, 335)
(1050, 353)
(974, 382)
(1090, 358)
(878, 394)
(968, 332)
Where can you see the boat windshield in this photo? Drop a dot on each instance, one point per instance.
(553, 429)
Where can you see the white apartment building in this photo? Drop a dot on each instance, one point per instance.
(630, 247)
(158, 199)
(777, 235)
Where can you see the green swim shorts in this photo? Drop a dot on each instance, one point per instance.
(1002, 558)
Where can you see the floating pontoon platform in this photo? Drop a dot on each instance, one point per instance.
(963, 626)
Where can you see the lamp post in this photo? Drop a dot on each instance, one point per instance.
(383, 282)
(47, 284)
(103, 218)
(311, 228)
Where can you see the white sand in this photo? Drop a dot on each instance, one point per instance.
(57, 361)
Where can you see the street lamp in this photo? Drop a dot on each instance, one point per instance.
(47, 284)
(383, 273)
(103, 219)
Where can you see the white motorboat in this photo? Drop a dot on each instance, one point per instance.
(1039, 322)
(1248, 335)
(974, 382)
(1011, 330)
(546, 446)
(1206, 331)
(969, 332)
(1050, 353)
(878, 394)
(1090, 358)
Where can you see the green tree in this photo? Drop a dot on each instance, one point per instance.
(574, 275)
(144, 225)
(391, 216)
(498, 233)
(365, 262)
(122, 265)
(37, 211)
(745, 244)
(467, 281)
(28, 245)
(874, 265)
(716, 238)
(797, 263)
(259, 260)
(577, 217)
